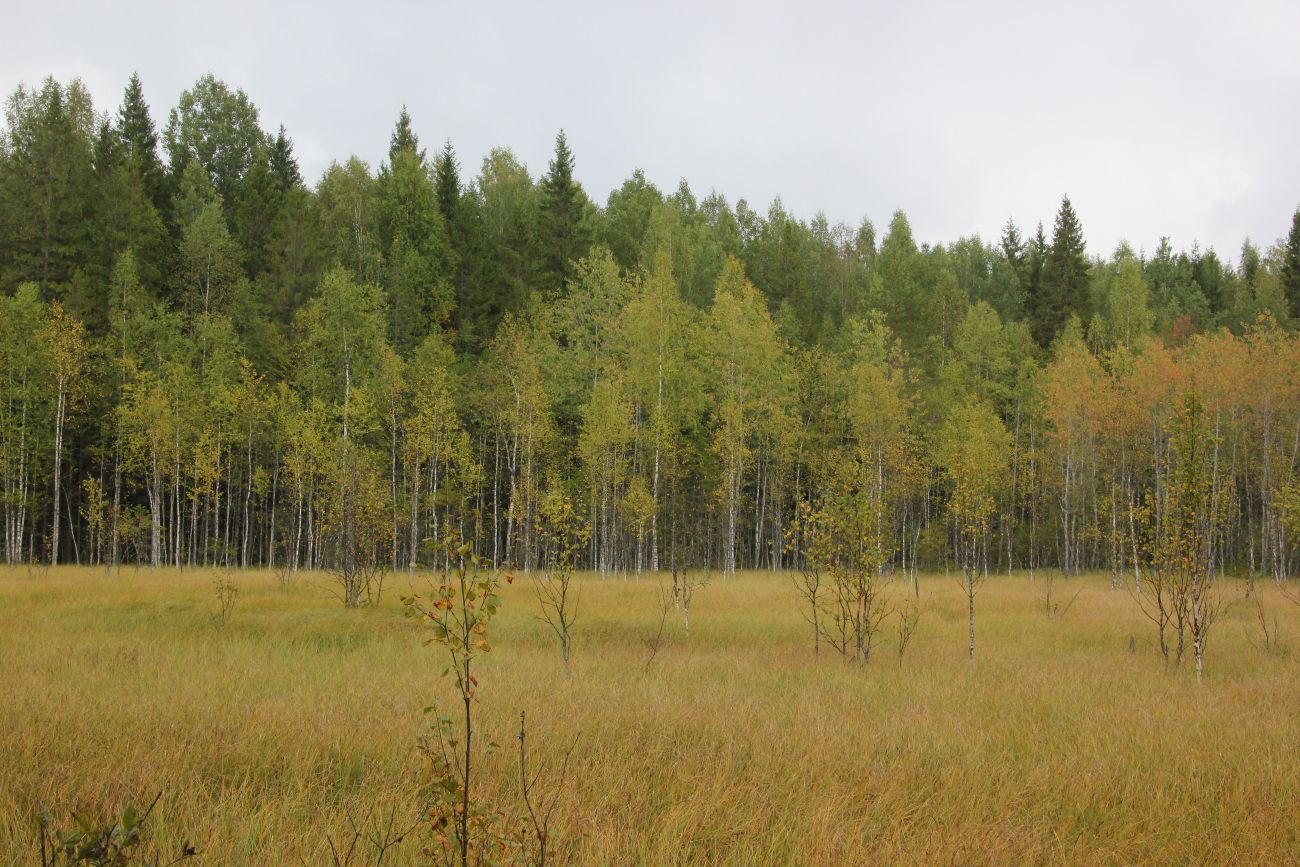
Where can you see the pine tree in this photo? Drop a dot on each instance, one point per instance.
(1291, 265)
(283, 164)
(564, 231)
(1065, 277)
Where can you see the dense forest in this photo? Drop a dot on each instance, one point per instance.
(206, 361)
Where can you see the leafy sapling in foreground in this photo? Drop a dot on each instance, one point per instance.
(226, 593)
(458, 613)
(564, 534)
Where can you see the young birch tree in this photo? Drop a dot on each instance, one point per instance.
(974, 451)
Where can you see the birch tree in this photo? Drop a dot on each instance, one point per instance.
(973, 450)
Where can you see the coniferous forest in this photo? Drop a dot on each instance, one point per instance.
(207, 359)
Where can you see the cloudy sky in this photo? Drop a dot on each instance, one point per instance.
(1157, 118)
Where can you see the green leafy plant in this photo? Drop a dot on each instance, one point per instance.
(116, 843)
(565, 535)
(458, 613)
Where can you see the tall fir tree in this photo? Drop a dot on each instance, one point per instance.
(1013, 247)
(1064, 289)
(564, 230)
(459, 211)
(124, 217)
(1291, 266)
(47, 186)
(404, 139)
(283, 164)
(259, 202)
(446, 181)
(418, 258)
(140, 141)
(1248, 267)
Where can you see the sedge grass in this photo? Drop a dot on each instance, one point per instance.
(1063, 741)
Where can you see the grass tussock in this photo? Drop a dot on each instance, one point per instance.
(1065, 740)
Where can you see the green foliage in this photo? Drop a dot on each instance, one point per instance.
(46, 185)
(217, 128)
(418, 258)
(120, 842)
(1290, 275)
(564, 220)
(1063, 290)
(284, 166)
(139, 138)
(458, 614)
(973, 449)
(504, 203)
(324, 375)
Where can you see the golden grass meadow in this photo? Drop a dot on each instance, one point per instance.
(1064, 741)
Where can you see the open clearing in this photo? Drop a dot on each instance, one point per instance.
(1062, 741)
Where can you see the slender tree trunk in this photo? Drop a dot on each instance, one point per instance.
(61, 403)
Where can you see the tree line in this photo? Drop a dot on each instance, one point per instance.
(206, 361)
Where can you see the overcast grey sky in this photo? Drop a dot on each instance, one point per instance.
(1179, 119)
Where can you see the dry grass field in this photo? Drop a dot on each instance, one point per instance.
(1063, 741)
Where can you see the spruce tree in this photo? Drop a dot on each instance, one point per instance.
(140, 141)
(404, 139)
(418, 258)
(283, 164)
(446, 180)
(1291, 266)
(865, 240)
(458, 219)
(295, 254)
(563, 229)
(1013, 247)
(1065, 277)
(48, 183)
(259, 202)
(1249, 265)
(1208, 273)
